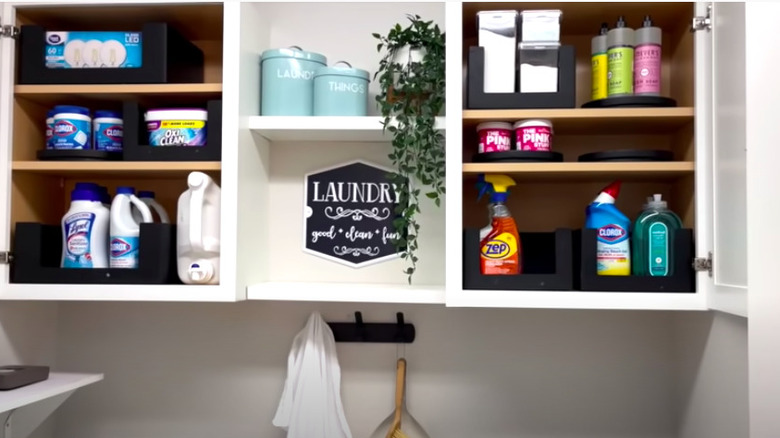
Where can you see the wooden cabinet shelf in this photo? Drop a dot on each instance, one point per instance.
(116, 168)
(591, 120)
(667, 170)
(58, 94)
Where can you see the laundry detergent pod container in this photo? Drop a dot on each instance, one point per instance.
(341, 91)
(287, 81)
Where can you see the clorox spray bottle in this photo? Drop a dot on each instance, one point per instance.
(613, 254)
(500, 249)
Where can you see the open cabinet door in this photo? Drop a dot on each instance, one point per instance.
(721, 154)
(7, 45)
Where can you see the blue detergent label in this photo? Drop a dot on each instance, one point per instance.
(124, 252)
(93, 50)
(108, 137)
(77, 229)
(70, 134)
(658, 249)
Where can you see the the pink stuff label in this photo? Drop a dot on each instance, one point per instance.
(495, 140)
(647, 69)
(534, 138)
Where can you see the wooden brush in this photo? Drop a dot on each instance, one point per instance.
(400, 380)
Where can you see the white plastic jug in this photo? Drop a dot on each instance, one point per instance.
(197, 233)
(147, 198)
(124, 230)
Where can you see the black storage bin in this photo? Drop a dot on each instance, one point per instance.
(38, 249)
(167, 58)
(136, 137)
(563, 98)
(682, 280)
(547, 263)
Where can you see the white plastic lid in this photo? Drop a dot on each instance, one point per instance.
(533, 122)
(494, 125)
(176, 114)
(656, 201)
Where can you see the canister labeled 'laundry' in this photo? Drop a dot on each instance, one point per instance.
(287, 81)
(341, 91)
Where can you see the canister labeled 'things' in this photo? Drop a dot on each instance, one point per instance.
(533, 135)
(72, 127)
(341, 91)
(494, 137)
(176, 127)
(108, 131)
(287, 81)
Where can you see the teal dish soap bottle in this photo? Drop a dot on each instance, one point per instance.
(613, 249)
(653, 239)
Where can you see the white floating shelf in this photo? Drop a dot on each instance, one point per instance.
(345, 129)
(346, 292)
(577, 300)
(57, 384)
(119, 292)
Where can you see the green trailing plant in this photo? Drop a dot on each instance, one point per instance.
(411, 77)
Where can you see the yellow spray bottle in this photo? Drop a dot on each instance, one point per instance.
(500, 249)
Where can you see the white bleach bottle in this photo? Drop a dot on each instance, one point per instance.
(84, 231)
(124, 230)
(197, 231)
(147, 198)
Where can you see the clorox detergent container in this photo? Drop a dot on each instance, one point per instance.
(72, 128)
(124, 231)
(197, 232)
(613, 254)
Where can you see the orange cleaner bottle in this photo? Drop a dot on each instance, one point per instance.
(500, 250)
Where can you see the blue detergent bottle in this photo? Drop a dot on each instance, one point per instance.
(613, 247)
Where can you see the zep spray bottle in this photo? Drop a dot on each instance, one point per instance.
(500, 249)
(613, 249)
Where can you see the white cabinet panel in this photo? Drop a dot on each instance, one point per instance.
(6, 105)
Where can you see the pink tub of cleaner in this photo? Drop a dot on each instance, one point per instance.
(494, 137)
(533, 135)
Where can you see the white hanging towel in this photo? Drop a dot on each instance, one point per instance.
(310, 406)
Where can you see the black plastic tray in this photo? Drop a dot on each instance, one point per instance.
(38, 250)
(563, 98)
(632, 102)
(683, 278)
(16, 376)
(167, 58)
(136, 137)
(628, 155)
(518, 157)
(547, 263)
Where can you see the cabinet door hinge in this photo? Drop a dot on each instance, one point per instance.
(702, 264)
(9, 31)
(6, 257)
(703, 23)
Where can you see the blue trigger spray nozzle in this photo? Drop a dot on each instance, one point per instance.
(483, 186)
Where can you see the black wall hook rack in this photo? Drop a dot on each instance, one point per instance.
(399, 332)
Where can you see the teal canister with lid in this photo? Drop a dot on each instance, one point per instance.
(341, 91)
(287, 81)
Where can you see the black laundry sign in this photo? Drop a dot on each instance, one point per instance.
(349, 212)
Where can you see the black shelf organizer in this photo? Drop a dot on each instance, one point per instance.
(683, 278)
(167, 57)
(38, 249)
(136, 137)
(563, 98)
(547, 263)
(399, 332)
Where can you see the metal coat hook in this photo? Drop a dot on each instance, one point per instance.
(399, 332)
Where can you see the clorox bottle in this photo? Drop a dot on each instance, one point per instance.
(500, 249)
(613, 254)
(147, 198)
(124, 230)
(197, 232)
